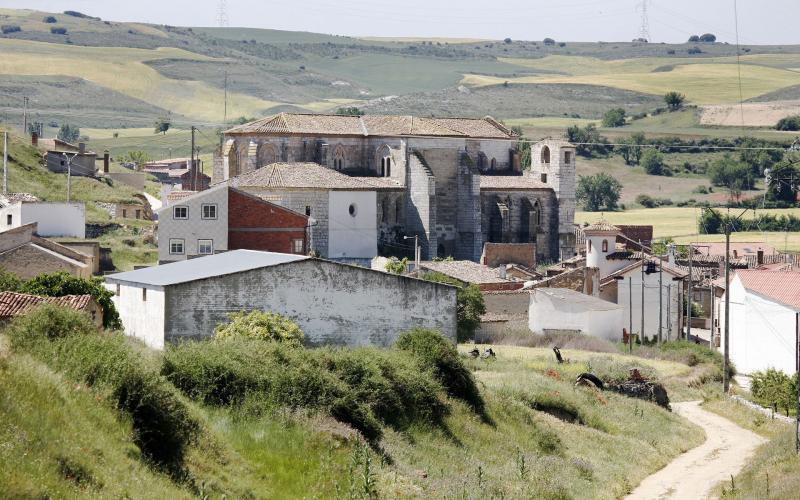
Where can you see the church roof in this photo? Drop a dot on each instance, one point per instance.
(309, 176)
(511, 183)
(375, 125)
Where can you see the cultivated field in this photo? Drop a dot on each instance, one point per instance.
(751, 114)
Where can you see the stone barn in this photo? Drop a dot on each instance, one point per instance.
(334, 304)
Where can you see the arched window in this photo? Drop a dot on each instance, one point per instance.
(493, 164)
(339, 158)
(383, 160)
(237, 158)
(546, 154)
(267, 155)
(590, 245)
(605, 246)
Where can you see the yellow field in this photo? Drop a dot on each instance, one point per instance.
(681, 224)
(704, 81)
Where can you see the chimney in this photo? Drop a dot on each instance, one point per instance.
(672, 257)
(760, 257)
(106, 161)
(34, 139)
(81, 147)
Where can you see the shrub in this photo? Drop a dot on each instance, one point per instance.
(648, 201)
(68, 341)
(58, 30)
(470, 305)
(436, 353)
(614, 118)
(49, 20)
(9, 282)
(10, 28)
(397, 266)
(62, 283)
(653, 162)
(257, 325)
(774, 388)
(790, 123)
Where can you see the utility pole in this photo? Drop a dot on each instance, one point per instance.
(660, 297)
(669, 311)
(25, 115)
(69, 159)
(417, 252)
(192, 166)
(797, 368)
(225, 113)
(713, 297)
(5, 162)
(641, 331)
(630, 313)
(689, 295)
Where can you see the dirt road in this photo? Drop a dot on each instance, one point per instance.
(695, 473)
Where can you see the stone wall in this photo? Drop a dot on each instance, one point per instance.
(28, 262)
(334, 304)
(546, 239)
(421, 205)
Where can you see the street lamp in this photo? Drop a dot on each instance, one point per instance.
(417, 253)
(69, 173)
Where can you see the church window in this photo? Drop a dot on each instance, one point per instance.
(339, 158)
(567, 157)
(605, 246)
(493, 164)
(546, 155)
(544, 178)
(398, 211)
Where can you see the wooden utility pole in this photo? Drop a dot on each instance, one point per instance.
(660, 297)
(25, 115)
(192, 166)
(797, 367)
(641, 330)
(5, 162)
(630, 313)
(689, 294)
(725, 382)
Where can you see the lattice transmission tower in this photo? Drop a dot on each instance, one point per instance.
(222, 14)
(644, 28)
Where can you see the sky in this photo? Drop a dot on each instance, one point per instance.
(760, 21)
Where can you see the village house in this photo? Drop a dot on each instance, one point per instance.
(19, 304)
(225, 218)
(53, 219)
(456, 183)
(179, 174)
(333, 303)
(561, 310)
(80, 163)
(764, 320)
(26, 255)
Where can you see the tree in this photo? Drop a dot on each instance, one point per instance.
(138, 158)
(507, 41)
(614, 118)
(790, 123)
(710, 222)
(350, 111)
(396, 266)
(587, 140)
(759, 160)
(258, 325)
(598, 191)
(58, 31)
(62, 283)
(708, 38)
(523, 148)
(653, 162)
(162, 125)
(49, 20)
(549, 41)
(69, 133)
(694, 39)
(631, 150)
(785, 182)
(733, 174)
(9, 282)
(674, 100)
(469, 304)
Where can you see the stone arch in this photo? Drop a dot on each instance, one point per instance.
(339, 158)
(398, 211)
(493, 164)
(383, 161)
(530, 220)
(499, 221)
(546, 154)
(237, 158)
(266, 155)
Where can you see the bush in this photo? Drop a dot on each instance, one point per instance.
(790, 123)
(775, 389)
(62, 283)
(365, 388)
(614, 118)
(58, 31)
(10, 28)
(648, 201)
(257, 325)
(470, 305)
(49, 20)
(68, 341)
(436, 353)
(653, 162)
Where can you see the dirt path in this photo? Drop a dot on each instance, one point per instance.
(695, 473)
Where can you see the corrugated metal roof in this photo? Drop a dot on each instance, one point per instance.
(16, 304)
(375, 125)
(779, 286)
(186, 271)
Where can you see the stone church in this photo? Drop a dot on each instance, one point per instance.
(456, 183)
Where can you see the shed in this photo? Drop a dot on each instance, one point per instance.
(564, 310)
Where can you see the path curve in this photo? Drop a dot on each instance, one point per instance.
(695, 473)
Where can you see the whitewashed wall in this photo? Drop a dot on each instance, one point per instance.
(66, 220)
(142, 319)
(553, 313)
(352, 236)
(195, 227)
(670, 299)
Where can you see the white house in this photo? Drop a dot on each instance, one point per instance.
(333, 303)
(764, 320)
(67, 220)
(564, 310)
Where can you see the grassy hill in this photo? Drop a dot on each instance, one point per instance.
(136, 70)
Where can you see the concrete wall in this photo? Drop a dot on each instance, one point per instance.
(332, 303)
(82, 165)
(762, 332)
(142, 313)
(195, 227)
(352, 235)
(53, 219)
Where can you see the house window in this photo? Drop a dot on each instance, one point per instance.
(176, 247)
(493, 164)
(124, 214)
(544, 178)
(117, 290)
(205, 247)
(590, 245)
(297, 246)
(180, 212)
(138, 214)
(308, 210)
(605, 246)
(209, 211)
(352, 210)
(567, 157)
(144, 294)
(9, 219)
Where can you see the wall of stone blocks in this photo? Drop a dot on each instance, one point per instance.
(546, 239)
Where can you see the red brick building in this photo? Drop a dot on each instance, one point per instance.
(256, 224)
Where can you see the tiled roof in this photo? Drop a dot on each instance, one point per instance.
(511, 182)
(740, 248)
(308, 176)
(375, 125)
(466, 271)
(11, 198)
(602, 225)
(179, 195)
(15, 304)
(779, 286)
(668, 268)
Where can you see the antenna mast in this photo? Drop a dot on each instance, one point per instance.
(644, 29)
(222, 14)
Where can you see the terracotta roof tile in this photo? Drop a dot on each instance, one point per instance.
(780, 286)
(511, 182)
(602, 225)
(309, 176)
(466, 271)
(16, 304)
(375, 125)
